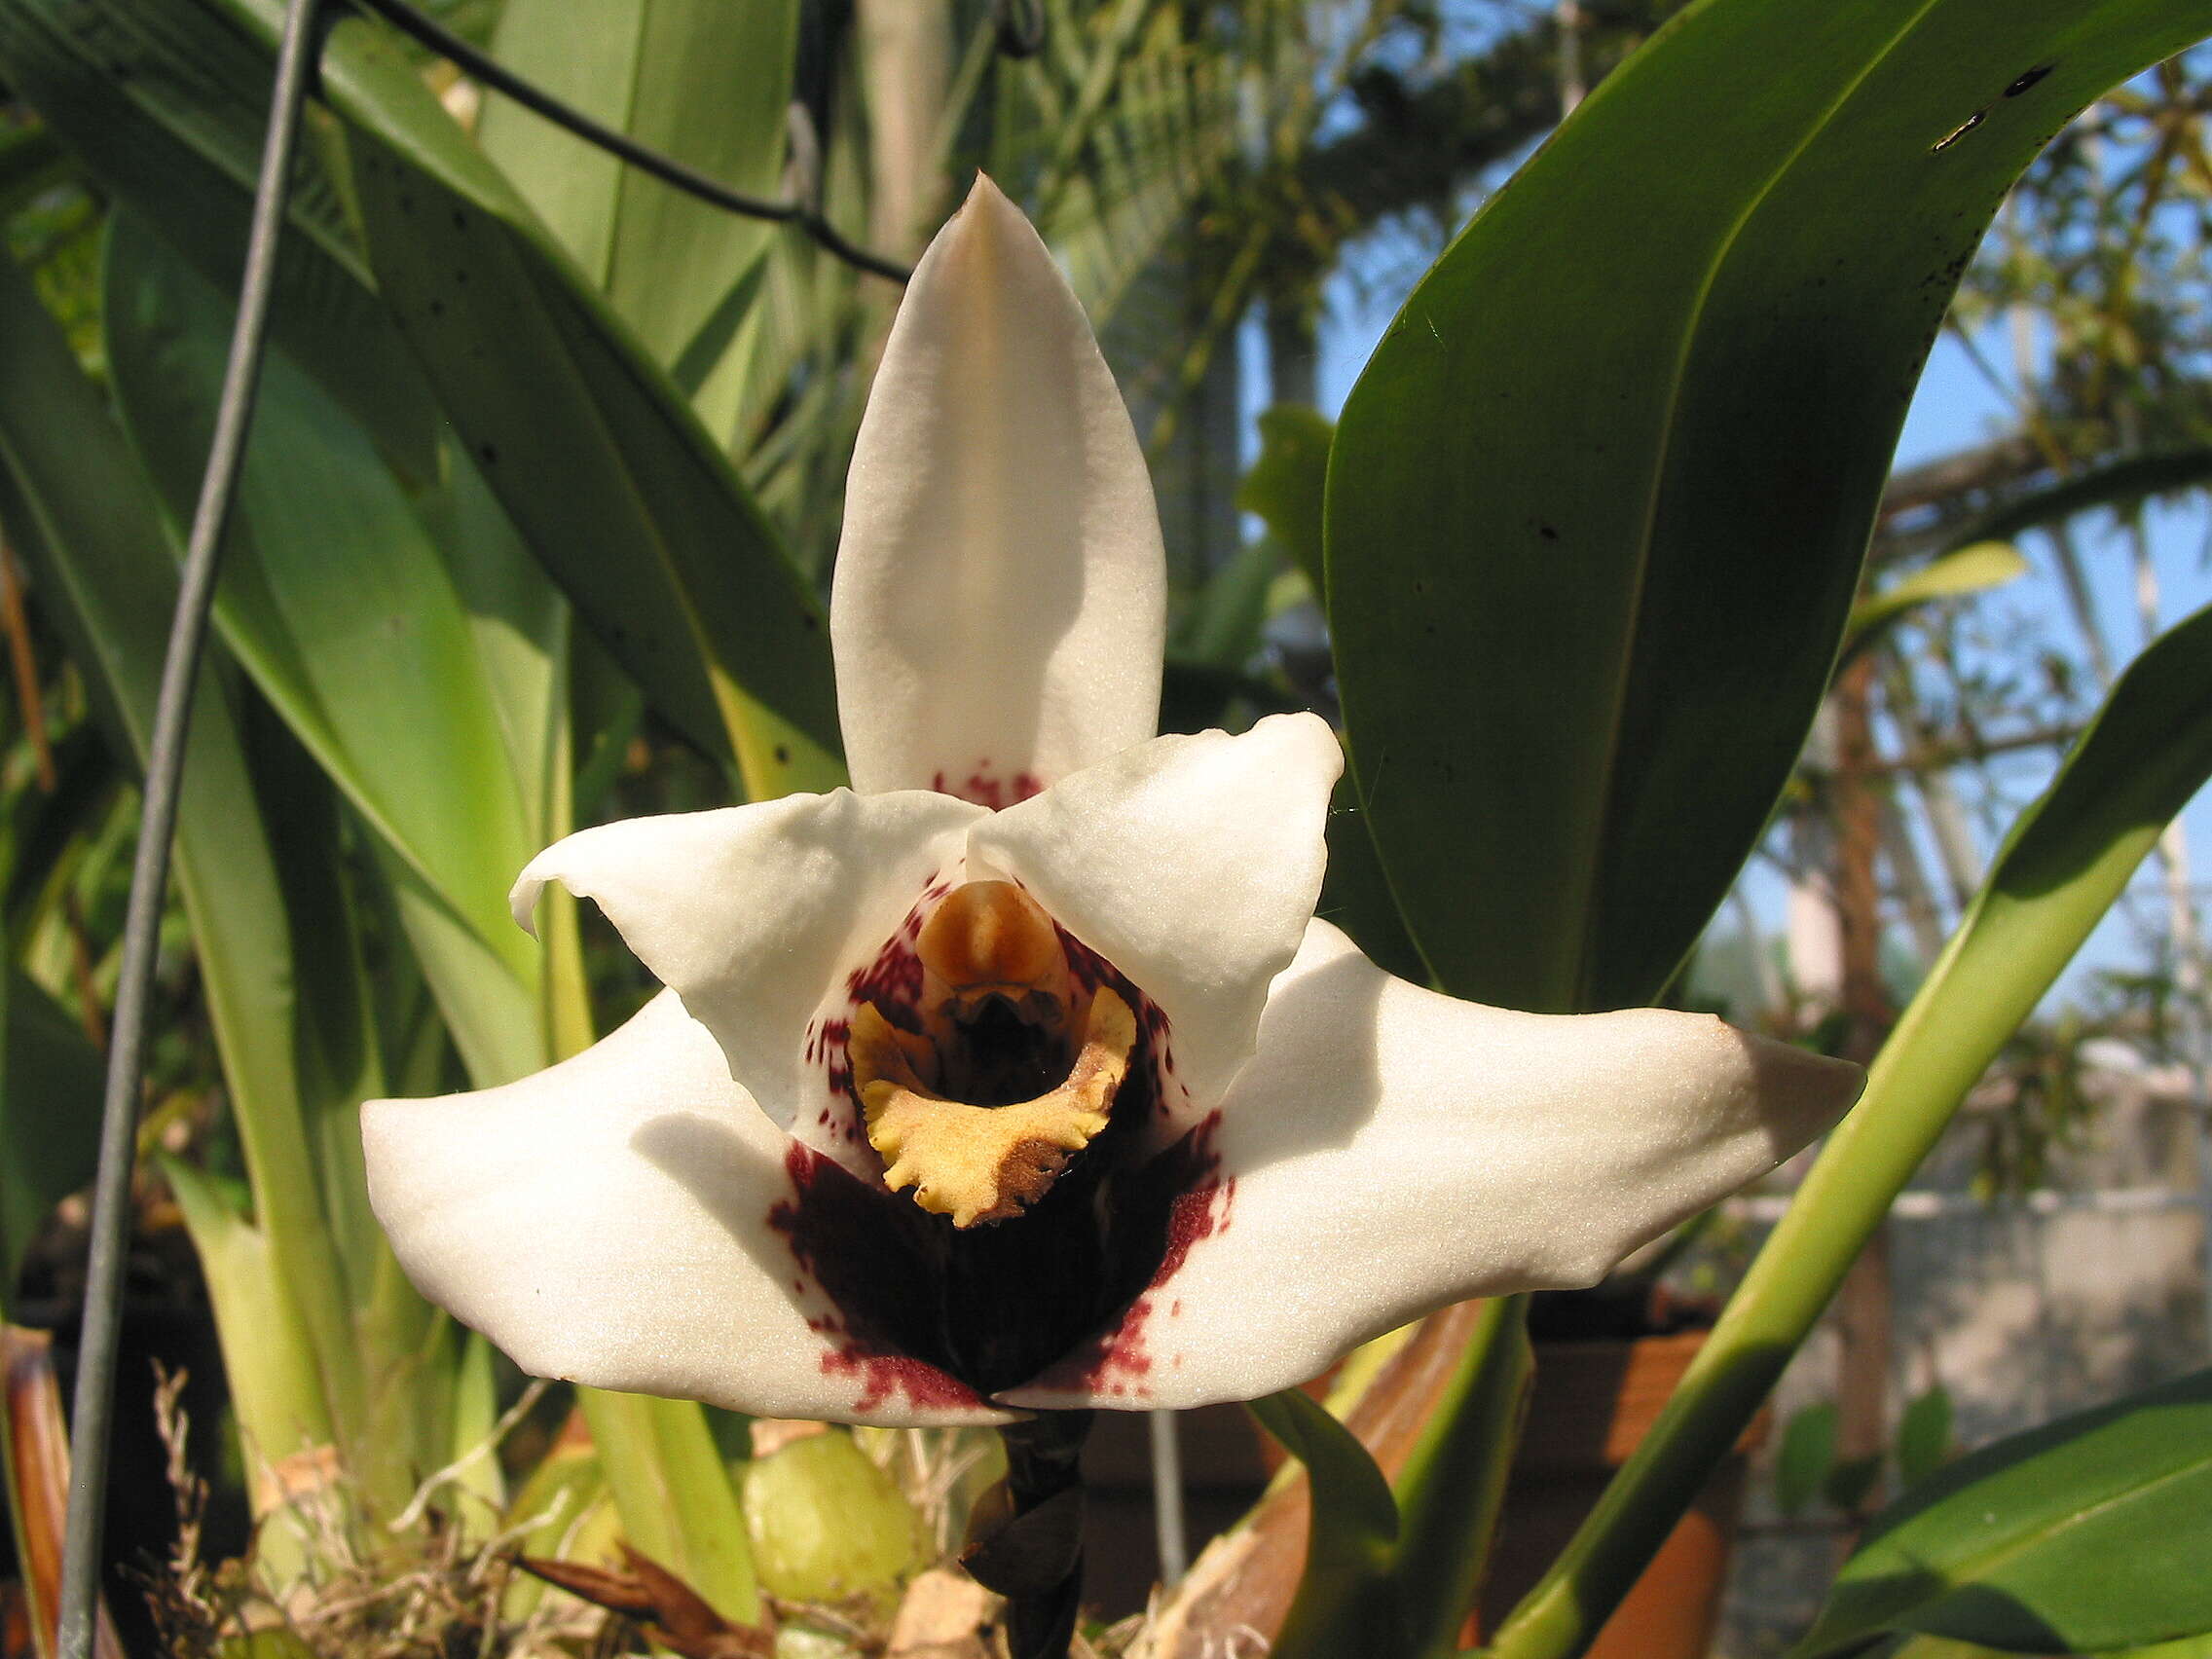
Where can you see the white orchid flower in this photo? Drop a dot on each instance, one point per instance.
(1022, 1075)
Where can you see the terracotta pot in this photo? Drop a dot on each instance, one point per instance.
(1593, 1403)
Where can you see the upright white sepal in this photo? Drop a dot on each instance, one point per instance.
(997, 612)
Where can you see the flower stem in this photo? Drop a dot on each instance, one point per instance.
(1028, 1546)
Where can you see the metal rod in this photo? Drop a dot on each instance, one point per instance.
(1167, 1499)
(94, 1399)
(669, 171)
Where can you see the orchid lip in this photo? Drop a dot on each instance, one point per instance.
(981, 1163)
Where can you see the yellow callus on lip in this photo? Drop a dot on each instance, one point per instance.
(982, 1163)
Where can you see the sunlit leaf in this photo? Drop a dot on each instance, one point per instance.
(1598, 505)
(2087, 1535)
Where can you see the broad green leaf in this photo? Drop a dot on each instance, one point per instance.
(1356, 893)
(693, 79)
(2067, 860)
(2089, 1534)
(50, 1080)
(474, 1451)
(1346, 1601)
(332, 593)
(78, 509)
(338, 601)
(166, 105)
(269, 1366)
(1806, 1457)
(1976, 567)
(1597, 506)
(1284, 486)
(674, 1494)
(1924, 1436)
(522, 630)
(606, 472)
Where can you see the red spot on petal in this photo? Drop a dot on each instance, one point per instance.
(988, 787)
(884, 1375)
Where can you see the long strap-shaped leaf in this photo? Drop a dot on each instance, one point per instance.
(699, 80)
(84, 519)
(604, 467)
(336, 599)
(1598, 505)
(2146, 753)
(598, 459)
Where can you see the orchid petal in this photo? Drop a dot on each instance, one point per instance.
(1192, 865)
(1390, 1151)
(611, 1220)
(755, 915)
(999, 605)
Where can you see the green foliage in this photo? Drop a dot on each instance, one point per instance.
(602, 464)
(49, 1094)
(827, 1523)
(1586, 585)
(86, 522)
(1976, 567)
(1285, 484)
(337, 599)
(2069, 857)
(1346, 1600)
(675, 1496)
(1924, 1436)
(694, 79)
(2085, 1535)
(1806, 1454)
(176, 133)
(1450, 1491)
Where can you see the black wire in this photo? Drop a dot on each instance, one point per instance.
(1020, 27)
(669, 171)
(94, 1399)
